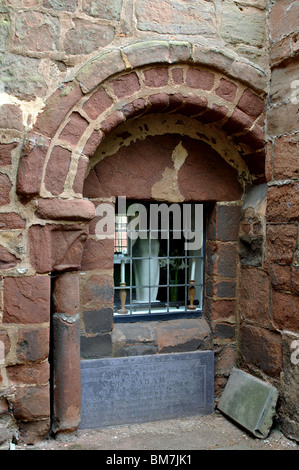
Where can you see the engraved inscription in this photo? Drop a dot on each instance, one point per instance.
(146, 388)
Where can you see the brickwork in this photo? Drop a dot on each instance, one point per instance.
(83, 81)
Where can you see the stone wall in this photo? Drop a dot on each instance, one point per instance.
(77, 74)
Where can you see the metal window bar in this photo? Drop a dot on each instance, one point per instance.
(122, 227)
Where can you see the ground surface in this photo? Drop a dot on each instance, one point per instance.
(213, 432)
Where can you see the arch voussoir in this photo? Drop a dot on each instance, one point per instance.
(82, 113)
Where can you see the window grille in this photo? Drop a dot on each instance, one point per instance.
(157, 271)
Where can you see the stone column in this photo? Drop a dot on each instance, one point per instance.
(66, 384)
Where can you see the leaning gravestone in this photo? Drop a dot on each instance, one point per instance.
(146, 388)
(249, 402)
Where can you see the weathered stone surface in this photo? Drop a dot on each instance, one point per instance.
(97, 290)
(66, 294)
(222, 259)
(26, 299)
(36, 31)
(56, 247)
(286, 151)
(11, 117)
(182, 336)
(255, 296)
(176, 18)
(31, 374)
(57, 107)
(7, 259)
(97, 103)
(251, 238)
(227, 90)
(32, 403)
(20, 76)
(250, 402)
(66, 373)
(283, 119)
(156, 77)
(173, 385)
(97, 254)
(283, 203)
(261, 349)
(99, 320)
(96, 346)
(281, 242)
(86, 37)
(57, 170)
(74, 129)
(107, 9)
(57, 5)
(5, 152)
(285, 311)
(126, 85)
(283, 18)
(200, 79)
(60, 209)
(33, 344)
(31, 164)
(242, 26)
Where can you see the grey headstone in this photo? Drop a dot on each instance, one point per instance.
(146, 388)
(249, 402)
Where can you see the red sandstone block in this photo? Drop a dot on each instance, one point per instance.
(58, 106)
(26, 299)
(98, 290)
(200, 79)
(134, 109)
(31, 164)
(80, 175)
(30, 374)
(254, 297)
(4, 338)
(285, 162)
(156, 77)
(220, 309)
(5, 153)
(66, 294)
(158, 103)
(57, 170)
(32, 403)
(74, 129)
(261, 348)
(98, 102)
(216, 113)
(11, 221)
(32, 344)
(251, 104)
(114, 120)
(177, 75)
(11, 117)
(227, 90)
(5, 188)
(281, 242)
(126, 85)
(280, 276)
(7, 259)
(194, 105)
(254, 138)
(283, 203)
(285, 308)
(222, 259)
(92, 144)
(61, 209)
(56, 247)
(238, 122)
(98, 254)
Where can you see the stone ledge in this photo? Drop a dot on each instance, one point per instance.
(59, 209)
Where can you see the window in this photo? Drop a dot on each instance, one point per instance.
(158, 259)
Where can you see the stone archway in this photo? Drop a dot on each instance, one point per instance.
(107, 93)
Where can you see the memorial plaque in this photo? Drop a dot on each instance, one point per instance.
(146, 388)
